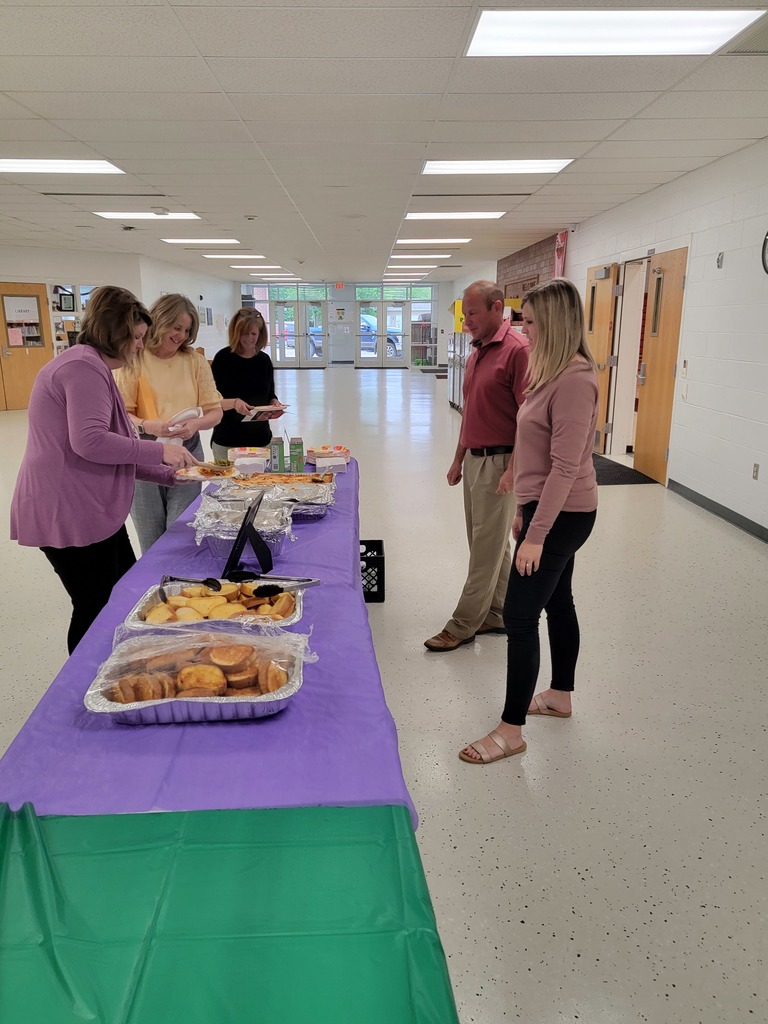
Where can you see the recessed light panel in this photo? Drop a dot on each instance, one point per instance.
(58, 167)
(202, 241)
(494, 166)
(432, 241)
(422, 256)
(230, 256)
(454, 216)
(253, 266)
(414, 266)
(147, 216)
(605, 33)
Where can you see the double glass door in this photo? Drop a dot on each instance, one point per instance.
(384, 334)
(298, 334)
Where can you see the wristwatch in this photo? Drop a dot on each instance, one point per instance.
(140, 429)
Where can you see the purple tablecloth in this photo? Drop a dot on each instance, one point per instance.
(334, 745)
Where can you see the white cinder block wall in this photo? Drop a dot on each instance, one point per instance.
(722, 428)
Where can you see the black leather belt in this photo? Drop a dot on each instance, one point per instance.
(499, 449)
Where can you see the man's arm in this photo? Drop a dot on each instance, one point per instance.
(454, 473)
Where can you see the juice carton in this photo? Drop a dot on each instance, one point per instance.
(277, 455)
(296, 454)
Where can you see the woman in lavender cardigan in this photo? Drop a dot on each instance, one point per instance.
(75, 486)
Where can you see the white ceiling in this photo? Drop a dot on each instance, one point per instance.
(301, 128)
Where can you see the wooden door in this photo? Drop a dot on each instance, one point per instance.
(656, 380)
(600, 309)
(26, 341)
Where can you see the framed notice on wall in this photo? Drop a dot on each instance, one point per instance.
(22, 321)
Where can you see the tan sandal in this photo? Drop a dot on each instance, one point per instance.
(542, 708)
(486, 757)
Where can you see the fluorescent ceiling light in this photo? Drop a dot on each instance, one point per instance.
(230, 256)
(202, 241)
(605, 33)
(254, 266)
(454, 216)
(432, 241)
(494, 166)
(422, 256)
(58, 167)
(414, 266)
(147, 216)
(274, 277)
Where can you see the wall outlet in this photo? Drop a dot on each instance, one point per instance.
(756, 471)
(684, 368)
(684, 392)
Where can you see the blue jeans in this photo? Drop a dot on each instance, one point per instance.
(155, 507)
(527, 596)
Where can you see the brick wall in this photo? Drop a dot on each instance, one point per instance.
(537, 260)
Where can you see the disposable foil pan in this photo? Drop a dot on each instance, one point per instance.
(220, 547)
(321, 494)
(135, 618)
(185, 710)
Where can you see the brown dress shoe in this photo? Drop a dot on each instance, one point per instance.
(445, 641)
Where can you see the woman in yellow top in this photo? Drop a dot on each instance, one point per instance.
(169, 378)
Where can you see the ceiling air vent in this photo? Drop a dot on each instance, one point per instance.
(752, 43)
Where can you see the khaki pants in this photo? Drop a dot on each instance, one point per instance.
(489, 519)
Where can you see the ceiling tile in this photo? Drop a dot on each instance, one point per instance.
(149, 106)
(549, 106)
(523, 131)
(33, 130)
(354, 107)
(659, 129)
(334, 32)
(133, 73)
(94, 31)
(708, 104)
(321, 76)
(168, 132)
(666, 148)
(521, 75)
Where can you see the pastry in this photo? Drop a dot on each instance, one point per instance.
(232, 657)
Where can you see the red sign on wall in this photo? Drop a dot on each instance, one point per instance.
(339, 285)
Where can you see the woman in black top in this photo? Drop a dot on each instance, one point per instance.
(245, 377)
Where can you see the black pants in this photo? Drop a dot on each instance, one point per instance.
(88, 575)
(548, 588)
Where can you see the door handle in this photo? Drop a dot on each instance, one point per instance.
(601, 366)
(6, 353)
(641, 375)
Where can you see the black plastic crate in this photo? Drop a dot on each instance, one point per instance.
(372, 569)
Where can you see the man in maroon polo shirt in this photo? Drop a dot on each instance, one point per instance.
(494, 383)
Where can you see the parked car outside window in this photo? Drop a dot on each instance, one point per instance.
(368, 338)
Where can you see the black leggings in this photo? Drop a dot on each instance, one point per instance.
(548, 588)
(88, 575)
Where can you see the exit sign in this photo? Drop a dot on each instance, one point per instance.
(339, 285)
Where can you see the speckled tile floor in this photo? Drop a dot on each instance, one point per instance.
(615, 872)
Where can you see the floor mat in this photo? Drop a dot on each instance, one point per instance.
(609, 472)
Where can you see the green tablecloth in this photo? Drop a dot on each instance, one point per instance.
(218, 917)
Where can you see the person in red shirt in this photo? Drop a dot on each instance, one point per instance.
(494, 384)
(554, 480)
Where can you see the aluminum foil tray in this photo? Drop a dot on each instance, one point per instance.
(308, 513)
(220, 547)
(320, 494)
(182, 711)
(135, 618)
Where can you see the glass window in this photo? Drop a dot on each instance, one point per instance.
(312, 292)
(85, 293)
(367, 292)
(392, 291)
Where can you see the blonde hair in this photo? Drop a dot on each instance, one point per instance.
(561, 334)
(241, 323)
(110, 321)
(165, 313)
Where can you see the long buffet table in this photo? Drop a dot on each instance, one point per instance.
(283, 880)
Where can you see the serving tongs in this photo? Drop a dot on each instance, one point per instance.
(210, 583)
(269, 589)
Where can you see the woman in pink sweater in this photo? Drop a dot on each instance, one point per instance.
(75, 485)
(554, 481)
